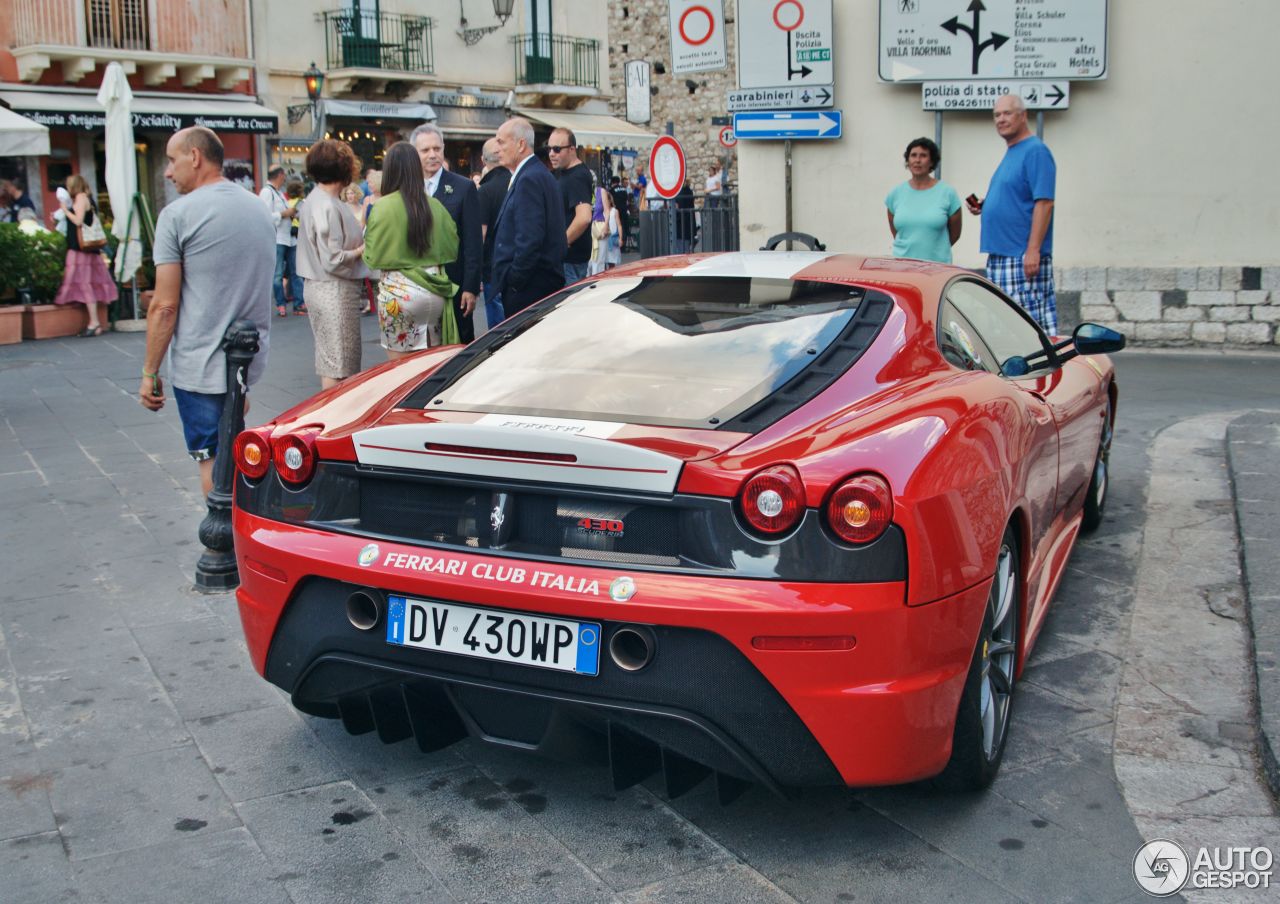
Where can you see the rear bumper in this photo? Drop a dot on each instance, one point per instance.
(881, 713)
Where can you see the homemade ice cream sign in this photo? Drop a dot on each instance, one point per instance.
(937, 40)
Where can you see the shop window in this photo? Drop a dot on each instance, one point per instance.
(118, 23)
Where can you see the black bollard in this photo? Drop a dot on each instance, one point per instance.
(216, 571)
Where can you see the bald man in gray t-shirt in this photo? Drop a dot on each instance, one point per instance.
(215, 260)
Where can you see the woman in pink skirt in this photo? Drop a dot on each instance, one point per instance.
(86, 280)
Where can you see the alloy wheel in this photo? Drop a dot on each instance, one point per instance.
(999, 654)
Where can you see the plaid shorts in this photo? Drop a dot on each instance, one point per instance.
(1036, 296)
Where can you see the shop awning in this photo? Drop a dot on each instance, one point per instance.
(592, 129)
(21, 137)
(151, 112)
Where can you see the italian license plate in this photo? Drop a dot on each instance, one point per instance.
(549, 643)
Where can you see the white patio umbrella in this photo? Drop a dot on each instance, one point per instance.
(116, 98)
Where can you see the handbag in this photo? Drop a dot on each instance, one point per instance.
(91, 234)
(599, 229)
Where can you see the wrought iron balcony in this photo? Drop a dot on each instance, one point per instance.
(359, 39)
(546, 59)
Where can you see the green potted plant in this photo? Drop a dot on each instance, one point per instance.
(12, 275)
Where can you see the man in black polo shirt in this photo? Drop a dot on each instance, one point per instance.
(577, 187)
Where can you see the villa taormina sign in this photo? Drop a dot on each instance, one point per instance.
(157, 122)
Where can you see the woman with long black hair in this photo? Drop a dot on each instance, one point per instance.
(410, 237)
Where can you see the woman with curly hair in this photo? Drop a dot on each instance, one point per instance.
(410, 237)
(330, 251)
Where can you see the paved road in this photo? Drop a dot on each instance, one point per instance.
(141, 758)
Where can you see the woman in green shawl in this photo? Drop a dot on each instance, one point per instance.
(410, 237)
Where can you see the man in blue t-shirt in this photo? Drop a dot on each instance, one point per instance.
(1017, 216)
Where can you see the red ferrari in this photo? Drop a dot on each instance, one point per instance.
(791, 519)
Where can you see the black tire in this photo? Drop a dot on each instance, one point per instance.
(977, 746)
(1095, 499)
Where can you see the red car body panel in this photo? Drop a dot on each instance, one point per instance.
(966, 453)
(903, 677)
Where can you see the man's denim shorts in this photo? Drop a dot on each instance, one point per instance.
(199, 413)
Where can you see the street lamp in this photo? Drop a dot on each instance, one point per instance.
(314, 80)
(470, 36)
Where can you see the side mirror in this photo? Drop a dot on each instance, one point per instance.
(1017, 366)
(1096, 339)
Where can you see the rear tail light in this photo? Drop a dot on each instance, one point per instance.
(252, 453)
(772, 501)
(294, 455)
(861, 508)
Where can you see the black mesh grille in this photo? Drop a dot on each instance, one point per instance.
(544, 524)
(679, 533)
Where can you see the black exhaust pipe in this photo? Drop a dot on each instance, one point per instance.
(365, 609)
(632, 647)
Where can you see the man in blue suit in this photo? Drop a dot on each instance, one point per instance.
(459, 197)
(529, 237)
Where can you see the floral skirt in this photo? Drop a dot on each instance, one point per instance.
(409, 315)
(85, 280)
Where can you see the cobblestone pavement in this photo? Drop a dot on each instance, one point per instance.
(142, 759)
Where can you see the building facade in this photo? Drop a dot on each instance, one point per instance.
(189, 62)
(693, 104)
(391, 65)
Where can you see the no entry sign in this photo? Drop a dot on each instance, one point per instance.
(666, 166)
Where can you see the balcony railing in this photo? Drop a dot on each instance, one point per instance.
(355, 39)
(121, 24)
(546, 59)
(213, 28)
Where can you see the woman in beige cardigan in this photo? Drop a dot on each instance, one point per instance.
(330, 252)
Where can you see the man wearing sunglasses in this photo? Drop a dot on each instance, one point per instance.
(577, 187)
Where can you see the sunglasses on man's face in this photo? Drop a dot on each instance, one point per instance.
(557, 148)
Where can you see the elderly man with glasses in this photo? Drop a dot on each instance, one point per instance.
(577, 187)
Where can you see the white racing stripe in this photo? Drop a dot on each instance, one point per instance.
(487, 450)
(756, 264)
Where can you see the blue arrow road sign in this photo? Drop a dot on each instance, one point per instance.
(777, 124)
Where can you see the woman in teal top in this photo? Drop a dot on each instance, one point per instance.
(410, 237)
(924, 212)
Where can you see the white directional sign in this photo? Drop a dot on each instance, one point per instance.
(785, 43)
(639, 106)
(971, 95)
(777, 124)
(942, 40)
(697, 35)
(813, 96)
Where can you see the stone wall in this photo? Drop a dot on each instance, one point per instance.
(1171, 306)
(639, 30)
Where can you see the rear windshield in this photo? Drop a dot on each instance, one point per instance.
(674, 351)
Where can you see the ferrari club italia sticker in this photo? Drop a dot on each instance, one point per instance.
(620, 590)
